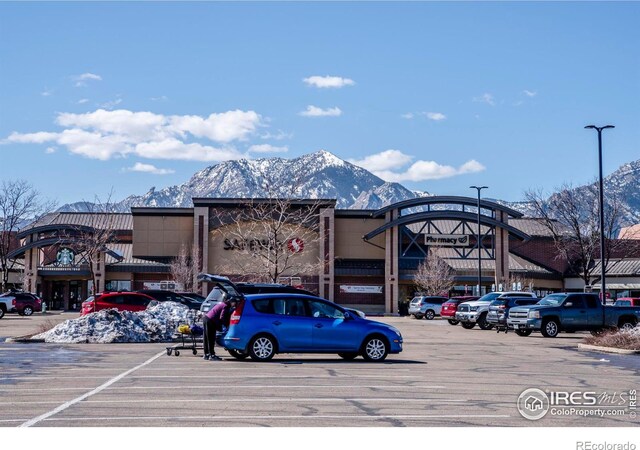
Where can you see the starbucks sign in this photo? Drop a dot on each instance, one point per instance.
(65, 257)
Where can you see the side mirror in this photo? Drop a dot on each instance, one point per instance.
(347, 316)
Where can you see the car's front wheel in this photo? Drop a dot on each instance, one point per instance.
(429, 315)
(550, 328)
(453, 322)
(262, 348)
(237, 354)
(27, 311)
(417, 316)
(348, 356)
(523, 332)
(468, 325)
(483, 324)
(375, 349)
(1, 313)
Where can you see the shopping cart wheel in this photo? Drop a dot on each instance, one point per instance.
(195, 352)
(177, 352)
(168, 352)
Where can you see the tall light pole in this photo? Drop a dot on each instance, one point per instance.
(603, 287)
(479, 188)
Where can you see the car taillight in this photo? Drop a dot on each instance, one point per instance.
(502, 307)
(237, 313)
(13, 302)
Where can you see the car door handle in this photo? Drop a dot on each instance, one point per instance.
(277, 322)
(318, 325)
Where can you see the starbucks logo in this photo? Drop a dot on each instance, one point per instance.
(65, 257)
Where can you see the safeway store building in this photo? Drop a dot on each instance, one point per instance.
(364, 259)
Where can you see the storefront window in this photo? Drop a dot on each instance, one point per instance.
(118, 285)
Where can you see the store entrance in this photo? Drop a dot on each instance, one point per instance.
(57, 294)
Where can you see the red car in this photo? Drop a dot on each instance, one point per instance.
(122, 301)
(451, 306)
(627, 301)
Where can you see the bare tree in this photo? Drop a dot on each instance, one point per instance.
(20, 204)
(270, 234)
(89, 240)
(434, 276)
(572, 218)
(184, 267)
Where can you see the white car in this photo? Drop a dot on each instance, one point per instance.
(470, 313)
(427, 306)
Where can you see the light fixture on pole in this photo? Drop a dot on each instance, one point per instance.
(479, 240)
(603, 287)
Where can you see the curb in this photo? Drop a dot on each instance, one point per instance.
(620, 351)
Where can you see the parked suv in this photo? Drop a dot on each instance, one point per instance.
(470, 313)
(499, 311)
(263, 325)
(216, 293)
(24, 303)
(450, 307)
(122, 301)
(170, 296)
(426, 306)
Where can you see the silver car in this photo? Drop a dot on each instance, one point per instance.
(426, 306)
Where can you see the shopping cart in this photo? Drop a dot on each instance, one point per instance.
(189, 335)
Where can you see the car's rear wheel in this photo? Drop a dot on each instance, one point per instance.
(453, 322)
(627, 325)
(523, 332)
(417, 316)
(468, 325)
(375, 349)
(237, 354)
(27, 311)
(1, 313)
(348, 356)
(262, 348)
(429, 315)
(550, 328)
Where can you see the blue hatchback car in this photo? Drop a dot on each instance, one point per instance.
(265, 324)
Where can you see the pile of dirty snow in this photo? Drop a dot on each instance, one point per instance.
(624, 339)
(158, 323)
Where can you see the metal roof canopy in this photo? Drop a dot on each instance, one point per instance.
(448, 199)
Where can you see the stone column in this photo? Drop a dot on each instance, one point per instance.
(201, 241)
(502, 252)
(391, 274)
(326, 281)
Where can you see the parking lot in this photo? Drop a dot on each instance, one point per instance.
(446, 376)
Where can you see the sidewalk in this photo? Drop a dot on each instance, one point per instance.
(14, 325)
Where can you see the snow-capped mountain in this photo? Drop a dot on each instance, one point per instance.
(315, 175)
(623, 184)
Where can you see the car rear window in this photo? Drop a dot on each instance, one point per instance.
(500, 302)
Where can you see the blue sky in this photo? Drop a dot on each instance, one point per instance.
(437, 96)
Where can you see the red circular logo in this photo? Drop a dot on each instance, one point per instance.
(296, 245)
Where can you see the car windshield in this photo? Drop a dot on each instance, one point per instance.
(552, 300)
(489, 297)
(416, 300)
(215, 295)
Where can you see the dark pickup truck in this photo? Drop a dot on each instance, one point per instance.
(571, 312)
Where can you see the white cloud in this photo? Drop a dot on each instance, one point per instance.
(388, 164)
(328, 81)
(485, 98)
(314, 111)
(267, 148)
(278, 136)
(386, 160)
(529, 93)
(50, 150)
(407, 116)
(435, 116)
(111, 104)
(104, 135)
(148, 168)
(81, 80)
(162, 98)
(82, 101)
(47, 93)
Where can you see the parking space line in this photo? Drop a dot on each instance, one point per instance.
(100, 388)
(270, 417)
(258, 400)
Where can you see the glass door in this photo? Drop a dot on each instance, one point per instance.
(57, 294)
(75, 295)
